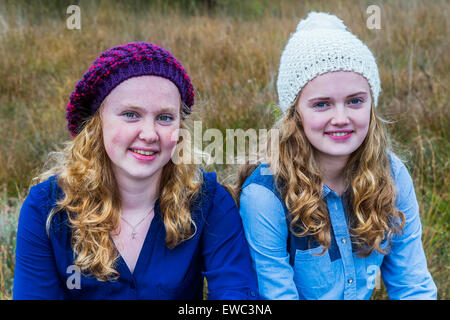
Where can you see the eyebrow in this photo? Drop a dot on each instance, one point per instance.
(162, 109)
(349, 96)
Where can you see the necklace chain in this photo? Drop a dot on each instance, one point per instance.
(134, 233)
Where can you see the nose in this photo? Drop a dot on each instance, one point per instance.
(148, 132)
(340, 117)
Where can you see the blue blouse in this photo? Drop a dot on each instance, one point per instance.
(289, 267)
(45, 267)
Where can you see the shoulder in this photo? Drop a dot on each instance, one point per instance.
(260, 198)
(214, 189)
(213, 195)
(210, 183)
(44, 194)
(263, 215)
(37, 205)
(397, 165)
(406, 200)
(217, 209)
(262, 175)
(400, 175)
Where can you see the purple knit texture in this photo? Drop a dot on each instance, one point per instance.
(117, 65)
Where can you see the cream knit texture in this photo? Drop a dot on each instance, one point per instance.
(321, 44)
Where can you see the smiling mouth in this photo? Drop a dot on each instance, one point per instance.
(143, 152)
(339, 134)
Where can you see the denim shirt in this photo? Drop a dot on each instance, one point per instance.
(289, 267)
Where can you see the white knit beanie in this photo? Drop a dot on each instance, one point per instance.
(322, 44)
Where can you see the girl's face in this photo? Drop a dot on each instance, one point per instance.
(335, 112)
(140, 118)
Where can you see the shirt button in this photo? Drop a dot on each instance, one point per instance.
(132, 286)
(344, 240)
(350, 281)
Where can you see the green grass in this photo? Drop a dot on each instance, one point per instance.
(10, 207)
(231, 50)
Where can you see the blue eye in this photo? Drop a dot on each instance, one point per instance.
(320, 105)
(356, 101)
(165, 118)
(130, 115)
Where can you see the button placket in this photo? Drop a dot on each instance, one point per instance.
(339, 224)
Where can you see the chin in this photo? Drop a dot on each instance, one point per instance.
(144, 176)
(336, 153)
(140, 173)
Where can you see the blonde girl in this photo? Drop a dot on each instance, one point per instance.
(116, 217)
(332, 206)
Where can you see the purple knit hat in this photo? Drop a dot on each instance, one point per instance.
(117, 65)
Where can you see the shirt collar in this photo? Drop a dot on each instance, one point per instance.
(327, 191)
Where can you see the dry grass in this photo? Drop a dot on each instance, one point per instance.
(232, 54)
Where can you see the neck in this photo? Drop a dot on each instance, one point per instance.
(333, 172)
(138, 196)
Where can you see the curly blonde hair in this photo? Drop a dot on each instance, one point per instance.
(373, 214)
(92, 201)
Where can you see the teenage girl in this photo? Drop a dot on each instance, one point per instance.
(116, 217)
(333, 206)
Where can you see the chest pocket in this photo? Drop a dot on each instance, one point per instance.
(313, 274)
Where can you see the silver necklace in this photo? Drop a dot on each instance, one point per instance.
(134, 233)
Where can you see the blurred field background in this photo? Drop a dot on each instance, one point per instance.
(231, 50)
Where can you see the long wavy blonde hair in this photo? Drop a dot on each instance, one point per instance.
(92, 201)
(373, 214)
